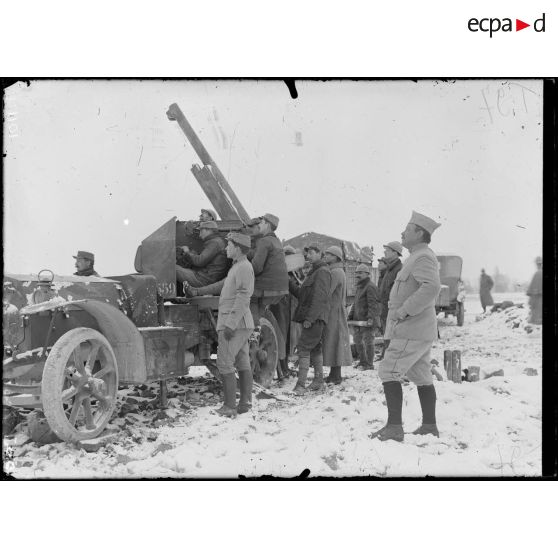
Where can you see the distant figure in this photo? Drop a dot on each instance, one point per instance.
(486, 285)
(84, 264)
(534, 292)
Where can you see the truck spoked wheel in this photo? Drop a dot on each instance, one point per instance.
(264, 353)
(79, 385)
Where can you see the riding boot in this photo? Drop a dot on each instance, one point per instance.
(303, 366)
(318, 381)
(245, 381)
(427, 397)
(361, 352)
(393, 430)
(334, 375)
(370, 354)
(229, 390)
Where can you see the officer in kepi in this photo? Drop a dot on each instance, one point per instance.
(411, 328)
(84, 264)
(234, 327)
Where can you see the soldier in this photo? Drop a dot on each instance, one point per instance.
(411, 328)
(209, 266)
(270, 268)
(336, 341)
(84, 264)
(234, 326)
(366, 307)
(392, 252)
(534, 292)
(312, 312)
(485, 286)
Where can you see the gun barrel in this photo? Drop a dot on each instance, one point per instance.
(174, 113)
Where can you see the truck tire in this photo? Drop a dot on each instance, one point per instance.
(79, 385)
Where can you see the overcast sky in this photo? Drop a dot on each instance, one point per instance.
(97, 166)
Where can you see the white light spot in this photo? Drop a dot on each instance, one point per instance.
(126, 221)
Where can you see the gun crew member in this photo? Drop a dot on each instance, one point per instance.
(411, 327)
(207, 267)
(234, 326)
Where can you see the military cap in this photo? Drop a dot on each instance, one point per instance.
(336, 251)
(289, 249)
(395, 246)
(271, 219)
(423, 221)
(314, 247)
(211, 212)
(85, 255)
(208, 225)
(240, 239)
(361, 268)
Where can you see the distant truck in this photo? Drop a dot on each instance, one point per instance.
(449, 300)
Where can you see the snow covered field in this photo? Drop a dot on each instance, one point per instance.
(489, 428)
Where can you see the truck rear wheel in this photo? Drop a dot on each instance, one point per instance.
(79, 385)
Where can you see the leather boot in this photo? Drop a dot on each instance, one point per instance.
(361, 355)
(303, 366)
(245, 381)
(334, 375)
(318, 381)
(229, 390)
(427, 397)
(370, 354)
(393, 430)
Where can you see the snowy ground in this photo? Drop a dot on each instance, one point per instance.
(490, 428)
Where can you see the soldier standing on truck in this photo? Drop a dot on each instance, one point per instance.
(412, 327)
(234, 327)
(270, 267)
(209, 266)
(84, 264)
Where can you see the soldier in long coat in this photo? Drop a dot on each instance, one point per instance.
(411, 328)
(336, 342)
(485, 286)
(534, 292)
(312, 312)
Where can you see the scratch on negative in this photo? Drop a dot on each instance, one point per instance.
(141, 153)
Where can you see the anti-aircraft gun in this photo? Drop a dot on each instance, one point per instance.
(70, 342)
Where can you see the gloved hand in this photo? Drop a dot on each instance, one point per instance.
(306, 324)
(370, 322)
(228, 333)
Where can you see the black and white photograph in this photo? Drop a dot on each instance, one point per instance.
(239, 278)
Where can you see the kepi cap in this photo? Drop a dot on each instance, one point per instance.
(314, 247)
(274, 220)
(423, 221)
(84, 254)
(336, 251)
(395, 246)
(361, 268)
(240, 239)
